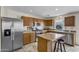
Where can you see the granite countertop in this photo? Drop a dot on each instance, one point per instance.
(51, 36)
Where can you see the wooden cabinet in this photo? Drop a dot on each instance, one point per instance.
(53, 22)
(70, 21)
(28, 37)
(49, 22)
(32, 37)
(35, 20)
(44, 45)
(27, 21)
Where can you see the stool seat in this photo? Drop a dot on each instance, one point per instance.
(60, 40)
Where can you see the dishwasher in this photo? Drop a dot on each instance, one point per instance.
(68, 38)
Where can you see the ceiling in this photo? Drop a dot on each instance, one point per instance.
(45, 11)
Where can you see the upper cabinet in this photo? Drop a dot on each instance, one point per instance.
(48, 22)
(37, 20)
(70, 21)
(27, 21)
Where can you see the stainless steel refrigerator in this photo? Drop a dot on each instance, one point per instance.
(12, 34)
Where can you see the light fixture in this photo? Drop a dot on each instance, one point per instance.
(56, 9)
(61, 16)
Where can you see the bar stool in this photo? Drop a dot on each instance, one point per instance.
(58, 45)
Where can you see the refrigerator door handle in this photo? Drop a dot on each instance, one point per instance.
(12, 32)
(13, 35)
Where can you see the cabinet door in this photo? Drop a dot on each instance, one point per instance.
(27, 38)
(42, 44)
(32, 35)
(27, 21)
(48, 22)
(35, 20)
(68, 39)
(70, 21)
(53, 22)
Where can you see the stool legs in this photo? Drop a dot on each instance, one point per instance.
(55, 46)
(64, 47)
(60, 46)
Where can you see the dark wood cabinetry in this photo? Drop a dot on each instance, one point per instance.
(28, 37)
(27, 21)
(35, 20)
(70, 21)
(48, 22)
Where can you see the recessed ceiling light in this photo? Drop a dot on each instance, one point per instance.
(61, 16)
(56, 9)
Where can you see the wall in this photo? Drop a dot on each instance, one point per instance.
(0, 28)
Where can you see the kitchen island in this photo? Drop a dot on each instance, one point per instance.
(70, 36)
(46, 41)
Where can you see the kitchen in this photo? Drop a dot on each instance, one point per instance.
(64, 24)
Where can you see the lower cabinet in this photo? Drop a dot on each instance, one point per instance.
(44, 45)
(70, 39)
(28, 37)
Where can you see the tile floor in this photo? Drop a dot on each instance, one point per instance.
(33, 48)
